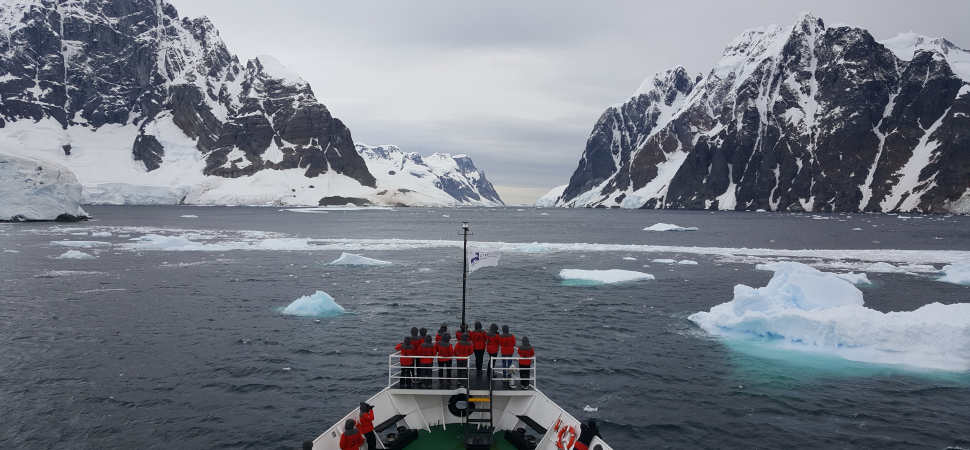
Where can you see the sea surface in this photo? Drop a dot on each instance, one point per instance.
(173, 344)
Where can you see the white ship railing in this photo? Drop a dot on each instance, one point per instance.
(512, 374)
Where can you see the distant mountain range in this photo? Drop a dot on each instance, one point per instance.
(797, 118)
(147, 107)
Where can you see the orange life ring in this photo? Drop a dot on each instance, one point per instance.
(572, 437)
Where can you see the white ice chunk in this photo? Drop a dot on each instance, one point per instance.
(668, 227)
(858, 279)
(189, 216)
(687, 262)
(101, 234)
(802, 308)
(351, 259)
(958, 273)
(664, 261)
(37, 190)
(629, 258)
(588, 408)
(318, 304)
(76, 254)
(595, 277)
(81, 244)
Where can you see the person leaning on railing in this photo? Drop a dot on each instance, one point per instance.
(507, 344)
(526, 352)
(407, 363)
(444, 359)
(462, 350)
(426, 360)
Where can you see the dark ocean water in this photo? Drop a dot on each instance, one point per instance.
(161, 349)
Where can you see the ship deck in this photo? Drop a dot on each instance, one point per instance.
(451, 437)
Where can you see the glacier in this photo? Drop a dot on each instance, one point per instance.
(804, 309)
(318, 304)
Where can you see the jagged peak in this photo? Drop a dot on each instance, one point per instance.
(273, 68)
(676, 78)
(907, 45)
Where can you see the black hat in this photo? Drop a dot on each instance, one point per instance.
(525, 341)
(423, 331)
(478, 325)
(364, 407)
(349, 425)
(505, 329)
(414, 331)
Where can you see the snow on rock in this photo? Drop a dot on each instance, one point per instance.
(34, 190)
(958, 273)
(75, 254)
(802, 308)
(550, 198)
(351, 259)
(318, 304)
(597, 277)
(668, 227)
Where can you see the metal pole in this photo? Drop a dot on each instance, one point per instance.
(464, 269)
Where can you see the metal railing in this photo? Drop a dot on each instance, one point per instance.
(400, 375)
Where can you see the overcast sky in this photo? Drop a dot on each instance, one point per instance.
(517, 85)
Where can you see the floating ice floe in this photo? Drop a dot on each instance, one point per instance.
(668, 227)
(347, 207)
(66, 273)
(664, 261)
(101, 234)
(597, 277)
(803, 308)
(687, 262)
(958, 273)
(588, 408)
(75, 254)
(318, 304)
(81, 244)
(629, 258)
(350, 259)
(858, 279)
(189, 216)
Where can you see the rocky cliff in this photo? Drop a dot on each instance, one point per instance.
(805, 117)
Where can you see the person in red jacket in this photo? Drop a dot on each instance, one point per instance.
(525, 365)
(351, 439)
(407, 363)
(443, 331)
(491, 343)
(365, 424)
(478, 344)
(414, 338)
(426, 360)
(507, 343)
(444, 360)
(463, 349)
(462, 331)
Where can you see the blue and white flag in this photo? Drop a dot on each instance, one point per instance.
(480, 257)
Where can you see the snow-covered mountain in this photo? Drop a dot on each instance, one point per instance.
(438, 179)
(148, 107)
(805, 117)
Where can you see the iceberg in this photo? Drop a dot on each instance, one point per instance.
(858, 279)
(75, 254)
(351, 259)
(958, 273)
(579, 277)
(802, 308)
(318, 304)
(34, 190)
(668, 227)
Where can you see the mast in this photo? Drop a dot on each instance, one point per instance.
(464, 268)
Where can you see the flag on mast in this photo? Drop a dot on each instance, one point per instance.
(480, 257)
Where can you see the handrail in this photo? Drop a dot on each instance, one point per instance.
(395, 375)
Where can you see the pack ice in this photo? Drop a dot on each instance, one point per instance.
(35, 190)
(803, 308)
(318, 304)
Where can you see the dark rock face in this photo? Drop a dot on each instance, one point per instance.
(337, 200)
(801, 118)
(93, 63)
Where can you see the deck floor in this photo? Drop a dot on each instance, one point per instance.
(452, 437)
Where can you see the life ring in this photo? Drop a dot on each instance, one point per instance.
(572, 437)
(458, 405)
